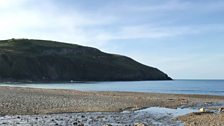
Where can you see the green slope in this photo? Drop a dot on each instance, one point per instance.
(50, 61)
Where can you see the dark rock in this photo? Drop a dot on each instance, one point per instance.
(75, 123)
(221, 109)
(81, 124)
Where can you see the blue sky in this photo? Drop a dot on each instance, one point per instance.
(183, 38)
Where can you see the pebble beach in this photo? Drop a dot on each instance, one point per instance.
(40, 107)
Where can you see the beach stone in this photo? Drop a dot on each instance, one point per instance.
(221, 109)
(202, 110)
(140, 124)
(75, 123)
(81, 124)
(107, 125)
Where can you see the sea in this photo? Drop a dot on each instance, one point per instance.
(204, 87)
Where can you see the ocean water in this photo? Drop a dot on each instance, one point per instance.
(208, 87)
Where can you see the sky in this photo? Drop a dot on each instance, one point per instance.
(183, 38)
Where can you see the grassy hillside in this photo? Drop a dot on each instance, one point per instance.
(40, 60)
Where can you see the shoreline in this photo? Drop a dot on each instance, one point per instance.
(137, 100)
(72, 81)
(36, 101)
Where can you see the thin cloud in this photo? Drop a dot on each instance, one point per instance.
(175, 5)
(149, 32)
(48, 22)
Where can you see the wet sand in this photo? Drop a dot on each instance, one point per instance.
(90, 119)
(203, 119)
(30, 101)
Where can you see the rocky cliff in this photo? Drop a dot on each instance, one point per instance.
(50, 61)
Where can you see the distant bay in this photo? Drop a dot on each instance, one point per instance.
(207, 87)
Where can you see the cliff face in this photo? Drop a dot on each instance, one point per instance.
(39, 60)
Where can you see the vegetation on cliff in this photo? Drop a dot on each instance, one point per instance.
(50, 61)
